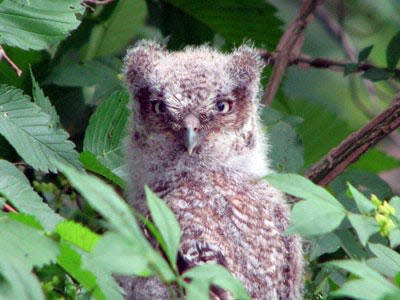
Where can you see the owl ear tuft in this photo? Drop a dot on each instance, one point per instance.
(245, 66)
(138, 63)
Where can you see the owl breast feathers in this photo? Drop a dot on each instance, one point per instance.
(197, 141)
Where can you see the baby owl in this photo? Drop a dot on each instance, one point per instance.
(196, 140)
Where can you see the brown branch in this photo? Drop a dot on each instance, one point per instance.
(4, 55)
(289, 46)
(9, 208)
(304, 61)
(350, 150)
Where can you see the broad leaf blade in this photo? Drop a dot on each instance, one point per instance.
(78, 235)
(166, 223)
(363, 204)
(29, 130)
(16, 188)
(27, 244)
(37, 24)
(365, 226)
(258, 23)
(106, 131)
(386, 260)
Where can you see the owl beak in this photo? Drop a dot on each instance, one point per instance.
(191, 138)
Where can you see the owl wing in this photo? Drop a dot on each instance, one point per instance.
(193, 253)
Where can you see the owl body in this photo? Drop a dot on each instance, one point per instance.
(196, 140)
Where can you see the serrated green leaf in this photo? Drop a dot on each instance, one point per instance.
(71, 261)
(44, 103)
(371, 284)
(364, 205)
(364, 53)
(37, 24)
(393, 52)
(364, 226)
(387, 261)
(106, 131)
(17, 280)
(114, 34)
(77, 234)
(23, 123)
(259, 23)
(301, 187)
(91, 163)
(26, 219)
(16, 188)
(219, 276)
(376, 74)
(166, 223)
(315, 217)
(27, 244)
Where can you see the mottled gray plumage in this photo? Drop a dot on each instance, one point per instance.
(196, 140)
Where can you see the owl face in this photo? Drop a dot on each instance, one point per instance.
(195, 96)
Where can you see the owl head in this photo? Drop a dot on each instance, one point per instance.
(198, 99)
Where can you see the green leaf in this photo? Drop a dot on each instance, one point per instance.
(119, 255)
(364, 53)
(327, 243)
(26, 244)
(350, 244)
(106, 131)
(99, 77)
(77, 234)
(364, 226)
(16, 188)
(71, 261)
(114, 34)
(376, 74)
(216, 275)
(24, 123)
(387, 261)
(226, 17)
(91, 163)
(395, 203)
(371, 284)
(393, 52)
(315, 217)
(364, 205)
(109, 204)
(166, 223)
(394, 237)
(37, 24)
(287, 148)
(44, 103)
(301, 187)
(17, 280)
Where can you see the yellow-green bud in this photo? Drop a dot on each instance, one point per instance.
(375, 200)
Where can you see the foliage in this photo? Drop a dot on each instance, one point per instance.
(69, 112)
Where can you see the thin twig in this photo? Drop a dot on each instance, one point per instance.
(9, 208)
(289, 46)
(4, 55)
(350, 150)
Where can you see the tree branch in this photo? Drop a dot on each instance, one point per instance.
(289, 46)
(350, 150)
(4, 55)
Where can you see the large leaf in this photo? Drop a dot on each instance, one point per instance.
(114, 34)
(236, 20)
(387, 261)
(16, 188)
(371, 284)
(109, 204)
(365, 226)
(364, 205)
(78, 235)
(207, 274)
(29, 129)
(106, 131)
(18, 282)
(166, 223)
(37, 24)
(26, 244)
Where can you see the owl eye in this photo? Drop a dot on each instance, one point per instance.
(159, 107)
(223, 106)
